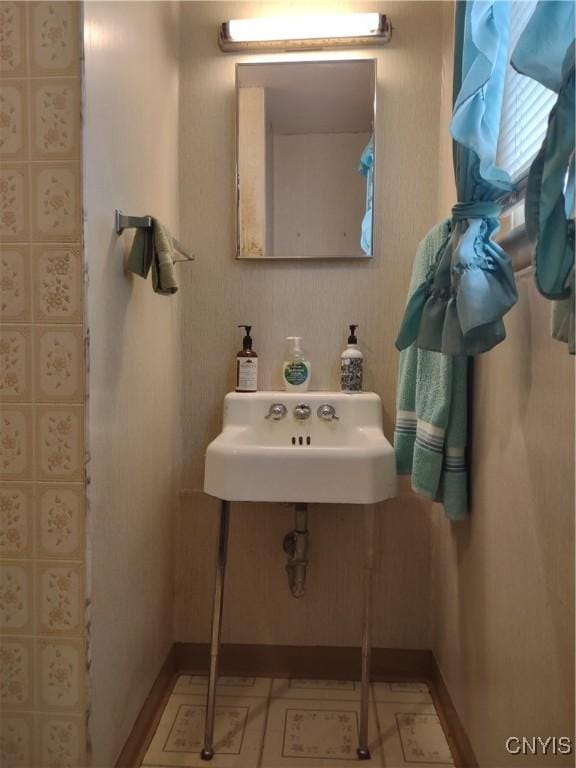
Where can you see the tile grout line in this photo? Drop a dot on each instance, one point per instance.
(265, 726)
(378, 727)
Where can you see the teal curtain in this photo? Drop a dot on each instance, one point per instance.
(366, 169)
(545, 52)
(458, 309)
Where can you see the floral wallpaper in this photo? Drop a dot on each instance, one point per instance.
(42, 389)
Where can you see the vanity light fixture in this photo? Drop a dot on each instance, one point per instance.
(304, 33)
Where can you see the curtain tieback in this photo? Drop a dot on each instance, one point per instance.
(478, 209)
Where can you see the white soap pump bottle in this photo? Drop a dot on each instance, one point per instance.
(351, 365)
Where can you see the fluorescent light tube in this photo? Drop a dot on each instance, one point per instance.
(304, 27)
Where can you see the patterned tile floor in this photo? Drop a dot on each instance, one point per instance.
(264, 723)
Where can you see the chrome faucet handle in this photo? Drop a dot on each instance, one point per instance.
(302, 412)
(277, 411)
(327, 412)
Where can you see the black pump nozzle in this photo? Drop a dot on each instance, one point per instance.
(247, 340)
(352, 338)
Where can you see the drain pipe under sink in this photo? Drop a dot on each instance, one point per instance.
(296, 547)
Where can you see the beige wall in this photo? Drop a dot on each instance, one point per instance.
(253, 134)
(131, 163)
(42, 553)
(504, 580)
(320, 203)
(316, 300)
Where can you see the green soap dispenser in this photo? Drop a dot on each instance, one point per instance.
(246, 364)
(351, 365)
(296, 369)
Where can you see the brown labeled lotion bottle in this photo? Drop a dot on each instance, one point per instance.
(246, 364)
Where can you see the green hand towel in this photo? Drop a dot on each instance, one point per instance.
(140, 256)
(163, 277)
(431, 418)
(153, 248)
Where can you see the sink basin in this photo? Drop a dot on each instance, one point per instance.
(346, 460)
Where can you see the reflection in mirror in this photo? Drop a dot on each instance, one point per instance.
(305, 158)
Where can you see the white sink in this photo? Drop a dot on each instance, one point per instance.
(346, 460)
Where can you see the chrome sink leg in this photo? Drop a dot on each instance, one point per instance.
(363, 751)
(217, 602)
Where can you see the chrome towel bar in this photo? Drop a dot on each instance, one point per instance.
(122, 222)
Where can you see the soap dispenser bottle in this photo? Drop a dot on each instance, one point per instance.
(296, 369)
(351, 365)
(246, 364)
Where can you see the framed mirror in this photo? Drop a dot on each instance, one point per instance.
(305, 159)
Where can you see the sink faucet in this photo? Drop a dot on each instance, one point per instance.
(327, 412)
(302, 412)
(277, 411)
